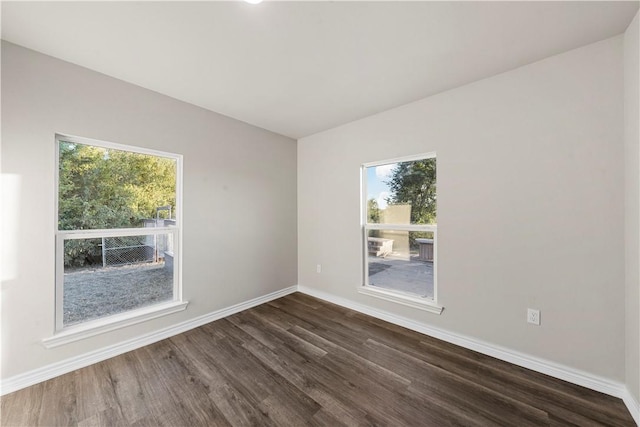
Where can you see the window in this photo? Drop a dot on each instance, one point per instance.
(118, 238)
(400, 231)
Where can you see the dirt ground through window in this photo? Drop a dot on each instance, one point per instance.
(95, 293)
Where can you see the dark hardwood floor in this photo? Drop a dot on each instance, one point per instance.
(300, 361)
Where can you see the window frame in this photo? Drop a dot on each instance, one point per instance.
(422, 303)
(64, 334)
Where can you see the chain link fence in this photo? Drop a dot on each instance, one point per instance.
(129, 250)
(122, 250)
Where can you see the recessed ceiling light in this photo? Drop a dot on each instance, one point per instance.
(253, 1)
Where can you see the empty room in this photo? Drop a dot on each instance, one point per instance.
(330, 213)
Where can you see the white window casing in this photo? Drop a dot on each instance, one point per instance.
(65, 334)
(415, 301)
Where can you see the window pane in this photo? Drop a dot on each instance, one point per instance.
(104, 188)
(111, 275)
(401, 261)
(402, 193)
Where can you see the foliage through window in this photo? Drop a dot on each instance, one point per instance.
(400, 230)
(118, 231)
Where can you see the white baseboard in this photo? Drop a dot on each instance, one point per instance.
(632, 405)
(27, 379)
(555, 370)
(543, 366)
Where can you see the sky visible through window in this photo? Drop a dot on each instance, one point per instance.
(376, 183)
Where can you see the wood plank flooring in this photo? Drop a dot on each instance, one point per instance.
(299, 361)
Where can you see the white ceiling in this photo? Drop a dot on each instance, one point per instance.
(297, 68)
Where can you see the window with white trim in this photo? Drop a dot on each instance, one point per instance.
(118, 234)
(400, 230)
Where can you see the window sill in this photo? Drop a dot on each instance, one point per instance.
(410, 301)
(100, 326)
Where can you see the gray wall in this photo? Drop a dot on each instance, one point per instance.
(239, 197)
(530, 206)
(632, 204)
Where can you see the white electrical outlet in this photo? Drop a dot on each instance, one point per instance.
(533, 316)
(319, 268)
